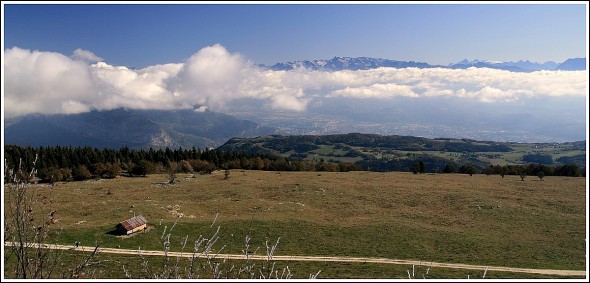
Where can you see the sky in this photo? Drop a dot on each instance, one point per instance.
(143, 35)
(74, 58)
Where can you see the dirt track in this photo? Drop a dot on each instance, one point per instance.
(332, 259)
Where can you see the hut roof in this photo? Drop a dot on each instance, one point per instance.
(133, 223)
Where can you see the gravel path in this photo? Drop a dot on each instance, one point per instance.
(331, 259)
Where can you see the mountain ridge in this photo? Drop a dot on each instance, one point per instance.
(572, 64)
(366, 63)
(349, 63)
(130, 127)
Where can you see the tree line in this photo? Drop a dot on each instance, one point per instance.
(66, 163)
(532, 169)
(540, 170)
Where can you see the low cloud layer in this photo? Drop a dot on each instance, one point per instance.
(48, 82)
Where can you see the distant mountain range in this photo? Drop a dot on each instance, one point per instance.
(347, 63)
(521, 65)
(518, 66)
(573, 64)
(133, 128)
(366, 63)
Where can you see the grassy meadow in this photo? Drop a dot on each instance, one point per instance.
(454, 218)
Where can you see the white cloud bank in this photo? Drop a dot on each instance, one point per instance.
(47, 82)
(85, 55)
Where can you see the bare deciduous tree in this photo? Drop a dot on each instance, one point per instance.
(28, 230)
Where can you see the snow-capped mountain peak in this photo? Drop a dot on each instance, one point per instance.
(338, 63)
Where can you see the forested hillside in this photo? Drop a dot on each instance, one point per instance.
(403, 153)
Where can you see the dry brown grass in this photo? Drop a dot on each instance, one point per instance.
(332, 198)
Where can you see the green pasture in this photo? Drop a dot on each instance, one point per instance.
(454, 218)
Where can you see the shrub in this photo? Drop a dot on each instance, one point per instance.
(81, 173)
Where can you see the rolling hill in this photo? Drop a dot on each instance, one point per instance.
(398, 153)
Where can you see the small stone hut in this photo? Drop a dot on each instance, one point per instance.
(132, 225)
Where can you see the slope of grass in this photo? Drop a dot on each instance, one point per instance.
(484, 220)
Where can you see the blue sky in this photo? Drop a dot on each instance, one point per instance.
(143, 35)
